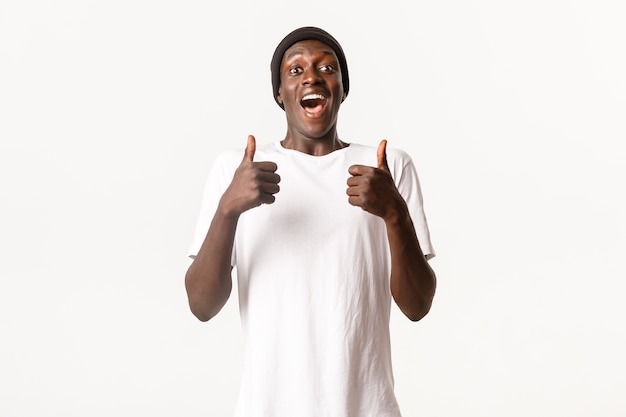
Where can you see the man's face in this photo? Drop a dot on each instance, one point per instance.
(311, 88)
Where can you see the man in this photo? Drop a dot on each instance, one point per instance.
(323, 233)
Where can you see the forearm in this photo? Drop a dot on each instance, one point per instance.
(208, 280)
(413, 281)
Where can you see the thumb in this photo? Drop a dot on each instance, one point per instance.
(381, 155)
(248, 155)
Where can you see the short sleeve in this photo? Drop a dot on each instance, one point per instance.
(219, 178)
(407, 181)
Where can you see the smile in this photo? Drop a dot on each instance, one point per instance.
(313, 103)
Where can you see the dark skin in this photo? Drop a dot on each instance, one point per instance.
(311, 91)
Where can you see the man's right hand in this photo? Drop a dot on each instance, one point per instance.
(253, 184)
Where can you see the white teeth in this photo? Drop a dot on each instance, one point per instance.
(313, 97)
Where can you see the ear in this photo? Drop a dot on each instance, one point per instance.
(279, 97)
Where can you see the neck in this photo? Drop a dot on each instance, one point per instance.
(313, 146)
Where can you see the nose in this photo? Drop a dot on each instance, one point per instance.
(311, 76)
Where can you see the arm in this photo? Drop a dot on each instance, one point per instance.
(208, 280)
(412, 281)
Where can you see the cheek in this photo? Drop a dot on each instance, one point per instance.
(286, 91)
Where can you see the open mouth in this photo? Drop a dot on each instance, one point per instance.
(313, 103)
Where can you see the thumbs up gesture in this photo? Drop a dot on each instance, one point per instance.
(253, 184)
(373, 189)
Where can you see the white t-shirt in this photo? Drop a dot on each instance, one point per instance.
(313, 281)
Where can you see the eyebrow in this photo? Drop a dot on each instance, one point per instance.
(299, 51)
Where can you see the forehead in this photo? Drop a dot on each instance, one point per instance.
(310, 46)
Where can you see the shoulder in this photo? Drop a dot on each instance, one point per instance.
(395, 156)
(399, 155)
(234, 156)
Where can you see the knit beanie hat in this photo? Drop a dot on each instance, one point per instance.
(302, 34)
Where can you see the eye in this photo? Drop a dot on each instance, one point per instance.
(327, 68)
(295, 71)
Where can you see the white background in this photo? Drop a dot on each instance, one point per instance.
(111, 113)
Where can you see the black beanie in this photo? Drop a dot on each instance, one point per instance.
(303, 34)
